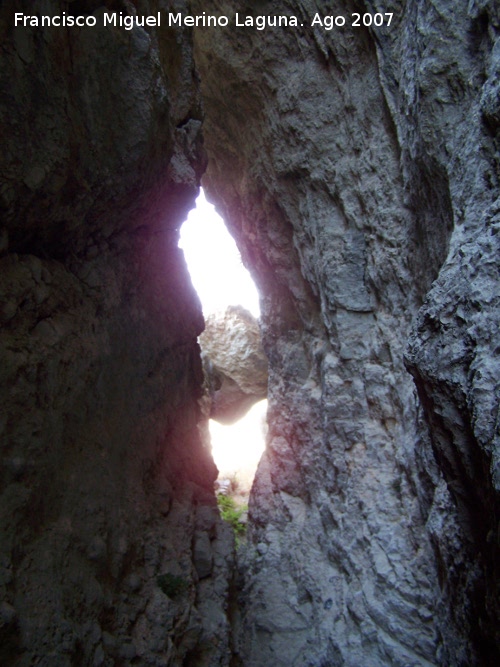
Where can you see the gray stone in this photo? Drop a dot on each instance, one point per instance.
(98, 657)
(366, 182)
(358, 171)
(202, 554)
(7, 613)
(234, 362)
(127, 651)
(99, 361)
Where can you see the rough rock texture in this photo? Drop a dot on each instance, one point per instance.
(355, 168)
(343, 163)
(105, 485)
(454, 350)
(234, 362)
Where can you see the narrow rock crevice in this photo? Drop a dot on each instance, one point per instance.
(358, 172)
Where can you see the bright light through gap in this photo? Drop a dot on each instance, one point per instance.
(214, 262)
(219, 277)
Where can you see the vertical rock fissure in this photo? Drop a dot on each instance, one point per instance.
(358, 170)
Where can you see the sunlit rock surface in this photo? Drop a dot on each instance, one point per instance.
(234, 362)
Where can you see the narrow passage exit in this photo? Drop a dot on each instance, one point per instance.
(229, 298)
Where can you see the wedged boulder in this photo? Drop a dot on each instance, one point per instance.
(235, 363)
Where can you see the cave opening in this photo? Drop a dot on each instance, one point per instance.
(230, 304)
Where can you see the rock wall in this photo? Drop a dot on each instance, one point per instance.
(350, 165)
(105, 484)
(358, 170)
(453, 351)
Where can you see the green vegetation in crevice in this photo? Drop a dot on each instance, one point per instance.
(231, 513)
(172, 584)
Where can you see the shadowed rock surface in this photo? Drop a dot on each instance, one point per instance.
(105, 483)
(358, 170)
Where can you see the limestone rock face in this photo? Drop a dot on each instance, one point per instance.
(105, 485)
(351, 164)
(358, 169)
(235, 363)
(453, 346)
